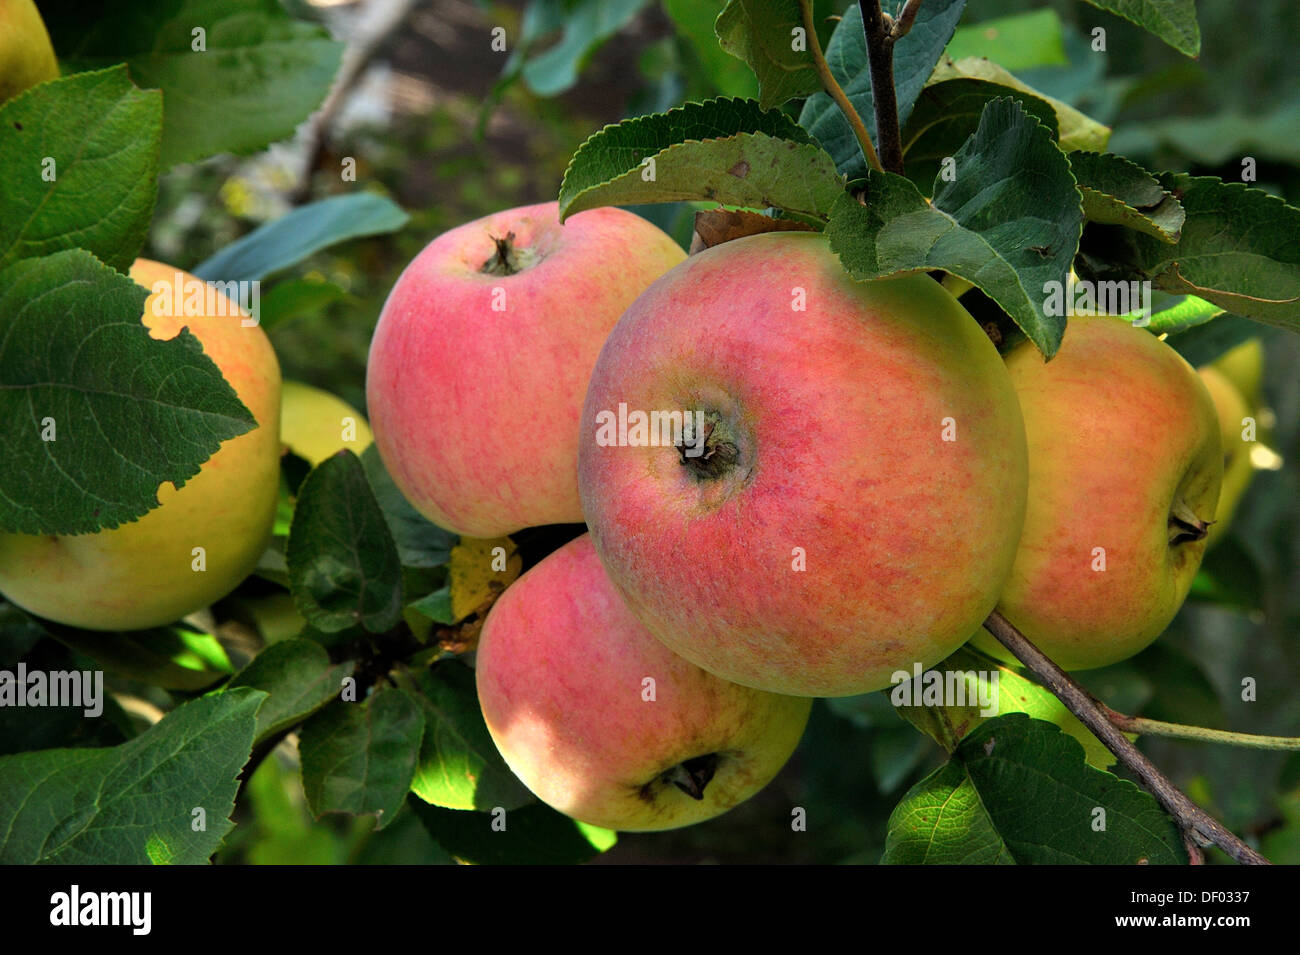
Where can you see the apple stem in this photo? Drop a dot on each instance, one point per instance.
(1202, 734)
(1197, 825)
(503, 261)
(833, 88)
(1184, 526)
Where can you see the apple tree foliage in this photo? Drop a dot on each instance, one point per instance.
(364, 609)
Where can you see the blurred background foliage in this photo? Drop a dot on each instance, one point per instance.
(452, 129)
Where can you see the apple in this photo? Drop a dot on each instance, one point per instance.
(481, 356)
(604, 723)
(142, 574)
(855, 503)
(1124, 471)
(1230, 407)
(26, 56)
(314, 424)
(1243, 366)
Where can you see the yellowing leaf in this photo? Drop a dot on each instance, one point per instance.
(479, 570)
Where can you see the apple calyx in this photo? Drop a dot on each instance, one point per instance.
(1184, 526)
(719, 453)
(503, 261)
(692, 775)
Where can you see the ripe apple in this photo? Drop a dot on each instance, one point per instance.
(141, 574)
(26, 56)
(856, 501)
(1230, 407)
(1124, 472)
(603, 722)
(482, 354)
(315, 424)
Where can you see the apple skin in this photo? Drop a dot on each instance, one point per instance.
(1120, 430)
(836, 415)
(559, 671)
(26, 55)
(1243, 366)
(139, 574)
(475, 411)
(311, 423)
(1230, 407)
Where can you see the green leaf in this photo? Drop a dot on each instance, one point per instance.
(459, 766)
(128, 411)
(1179, 313)
(694, 20)
(1237, 250)
(1017, 42)
(420, 543)
(1008, 223)
(914, 58)
(297, 298)
(360, 757)
(343, 564)
(1075, 130)
(947, 114)
(533, 835)
(728, 151)
(1173, 21)
(436, 606)
(174, 657)
(134, 803)
(763, 34)
(1017, 790)
(1220, 138)
(259, 74)
(81, 155)
(587, 24)
(988, 689)
(1119, 192)
(275, 246)
(299, 679)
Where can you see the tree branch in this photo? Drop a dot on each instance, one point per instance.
(880, 54)
(1196, 824)
(833, 88)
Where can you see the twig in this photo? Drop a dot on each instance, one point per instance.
(1195, 823)
(1146, 727)
(880, 54)
(906, 17)
(832, 87)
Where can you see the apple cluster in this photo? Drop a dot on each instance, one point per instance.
(823, 482)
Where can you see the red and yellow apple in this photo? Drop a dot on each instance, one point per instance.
(143, 573)
(604, 723)
(856, 504)
(1124, 471)
(482, 354)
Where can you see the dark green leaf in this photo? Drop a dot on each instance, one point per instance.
(1017, 790)
(134, 803)
(128, 411)
(343, 564)
(258, 74)
(299, 679)
(277, 245)
(459, 766)
(420, 543)
(359, 757)
(82, 160)
(297, 298)
(727, 151)
(587, 24)
(1120, 192)
(174, 657)
(763, 33)
(1009, 221)
(1174, 21)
